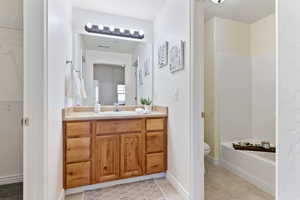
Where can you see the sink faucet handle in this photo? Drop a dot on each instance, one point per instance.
(116, 107)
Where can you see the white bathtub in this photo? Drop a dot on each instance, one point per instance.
(259, 168)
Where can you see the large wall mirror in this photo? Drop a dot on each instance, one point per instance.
(114, 70)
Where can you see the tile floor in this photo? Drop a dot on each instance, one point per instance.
(11, 192)
(167, 190)
(220, 184)
(144, 190)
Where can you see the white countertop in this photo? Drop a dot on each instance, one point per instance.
(81, 116)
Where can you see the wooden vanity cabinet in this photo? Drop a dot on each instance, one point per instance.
(98, 151)
(156, 145)
(77, 154)
(107, 158)
(132, 153)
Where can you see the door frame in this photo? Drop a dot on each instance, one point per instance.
(35, 133)
(197, 99)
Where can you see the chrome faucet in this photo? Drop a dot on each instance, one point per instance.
(116, 108)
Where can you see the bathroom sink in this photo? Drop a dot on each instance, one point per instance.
(120, 113)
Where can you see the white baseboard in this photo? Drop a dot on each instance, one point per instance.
(212, 160)
(177, 185)
(5, 180)
(113, 183)
(62, 195)
(250, 178)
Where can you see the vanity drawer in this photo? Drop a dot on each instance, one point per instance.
(78, 149)
(78, 129)
(78, 174)
(155, 163)
(154, 142)
(155, 124)
(118, 126)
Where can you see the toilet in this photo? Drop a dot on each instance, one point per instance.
(206, 149)
(206, 152)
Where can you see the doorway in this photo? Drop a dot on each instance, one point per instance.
(240, 100)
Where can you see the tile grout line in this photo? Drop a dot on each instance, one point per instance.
(83, 195)
(162, 191)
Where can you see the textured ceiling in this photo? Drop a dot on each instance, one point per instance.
(247, 11)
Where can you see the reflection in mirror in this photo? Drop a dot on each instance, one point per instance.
(110, 82)
(114, 70)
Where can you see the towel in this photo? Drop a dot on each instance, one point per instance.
(83, 90)
(68, 82)
(76, 85)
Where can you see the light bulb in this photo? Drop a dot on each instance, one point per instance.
(217, 1)
(132, 31)
(111, 28)
(100, 27)
(89, 25)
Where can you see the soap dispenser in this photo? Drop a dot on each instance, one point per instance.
(97, 107)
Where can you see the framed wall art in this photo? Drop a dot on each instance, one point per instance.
(176, 54)
(163, 54)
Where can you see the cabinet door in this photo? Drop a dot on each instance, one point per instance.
(78, 174)
(132, 153)
(155, 163)
(78, 129)
(107, 158)
(78, 149)
(154, 142)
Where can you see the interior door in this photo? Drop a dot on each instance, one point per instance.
(107, 158)
(132, 153)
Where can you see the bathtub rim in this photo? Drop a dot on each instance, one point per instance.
(250, 153)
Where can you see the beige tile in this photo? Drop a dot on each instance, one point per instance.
(168, 190)
(222, 184)
(74, 197)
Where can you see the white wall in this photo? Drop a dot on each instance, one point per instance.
(11, 91)
(233, 79)
(288, 105)
(173, 90)
(142, 52)
(11, 14)
(59, 41)
(210, 130)
(83, 17)
(100, 57)
(263, 55)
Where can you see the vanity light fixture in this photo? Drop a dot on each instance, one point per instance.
(103, 46)
(217, 1)
(110, 30)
